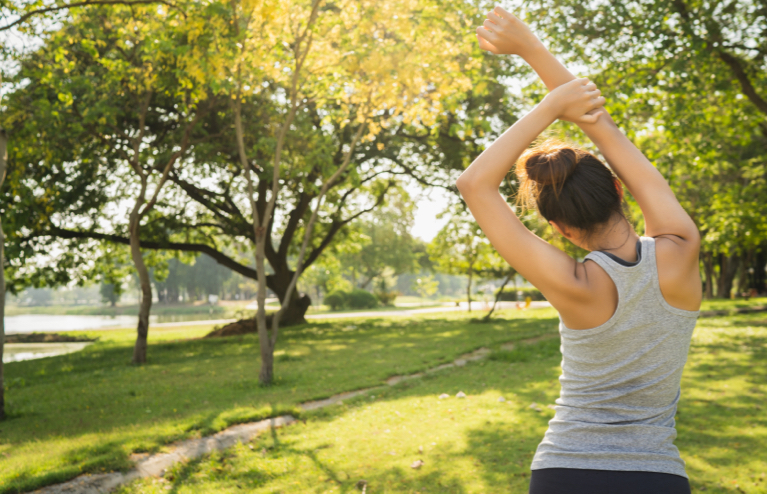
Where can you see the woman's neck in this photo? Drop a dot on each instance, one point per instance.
(619, 239)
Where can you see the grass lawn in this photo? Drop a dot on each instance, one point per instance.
(481, 445)
(722, 304)
(86, 412)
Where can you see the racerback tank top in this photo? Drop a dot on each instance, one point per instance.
(621, 380)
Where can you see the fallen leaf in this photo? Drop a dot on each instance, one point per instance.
(417, 464)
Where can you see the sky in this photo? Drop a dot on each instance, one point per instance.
(432, 202)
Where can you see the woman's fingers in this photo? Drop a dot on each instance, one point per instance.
(486, 45)
(489, 25)
(485, 33)
(496, 19)
(591, 117)
(504, 13)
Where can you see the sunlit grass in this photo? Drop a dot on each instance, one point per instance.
(482, 445)
(88, 411)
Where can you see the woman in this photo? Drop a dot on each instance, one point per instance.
(626, 317)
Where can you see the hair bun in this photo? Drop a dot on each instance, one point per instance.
(551, 163)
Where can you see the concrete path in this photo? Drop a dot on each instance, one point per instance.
(155, 465)
(479, 307)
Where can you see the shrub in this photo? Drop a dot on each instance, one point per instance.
(336, 299)
(387, 297)
(509, 294)
(361, 299)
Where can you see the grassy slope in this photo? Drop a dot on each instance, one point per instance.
(86, 412)
(480, 445)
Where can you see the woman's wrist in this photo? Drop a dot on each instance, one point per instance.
(534, 51)
(549, 108)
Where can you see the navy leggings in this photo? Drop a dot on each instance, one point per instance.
(577, 481)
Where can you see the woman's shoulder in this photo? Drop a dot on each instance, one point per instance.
(679, 271)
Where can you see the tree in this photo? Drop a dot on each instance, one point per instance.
(371, 78)
(385, 244)
(688, 81)
(3, 168)
(460, 247)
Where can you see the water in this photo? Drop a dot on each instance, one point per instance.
(16, 352)
(46, 323)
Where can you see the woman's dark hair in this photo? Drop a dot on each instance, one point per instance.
(568, 185)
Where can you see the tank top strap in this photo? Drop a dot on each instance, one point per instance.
(627, 276)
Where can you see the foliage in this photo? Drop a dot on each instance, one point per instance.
(384, 294)
(686, 80)
(386, 297)
(510, 295)
(380, 245)
(336, 299)
(368, 65)
(354, 299)
(361, 299)
(426, 285)
(460, 247)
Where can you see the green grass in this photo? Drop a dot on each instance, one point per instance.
(481, 445)
(325, 309)
(722, 304)
(88, 411)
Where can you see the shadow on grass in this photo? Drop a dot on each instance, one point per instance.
(105, 457)
(199, 386)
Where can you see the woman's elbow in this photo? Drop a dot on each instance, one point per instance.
(463, 184)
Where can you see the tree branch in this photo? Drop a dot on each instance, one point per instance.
(220, 257)
(57, 8)
(745, 83)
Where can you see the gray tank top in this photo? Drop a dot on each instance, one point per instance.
(620, 380)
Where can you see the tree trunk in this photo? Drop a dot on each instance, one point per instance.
(759, 276)
(468, 289)
(145, 305)
(266, 374)
(708, 267)
(3, 164)
(497, 297)
(299, 302)
(728, 266)
(743, 274)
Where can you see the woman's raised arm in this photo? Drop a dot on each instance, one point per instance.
(552, 271)
(504, 33)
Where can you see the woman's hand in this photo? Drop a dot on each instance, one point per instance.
(504, 34)
(577, 101)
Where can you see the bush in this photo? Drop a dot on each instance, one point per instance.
(509, 295)
(336, 299)
(361, 299)
(387, 297)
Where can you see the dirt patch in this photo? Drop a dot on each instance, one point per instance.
(44, 338)
(243, 326)
(510, 346)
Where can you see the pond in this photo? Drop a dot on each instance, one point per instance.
(47, 323)
(16, 352)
